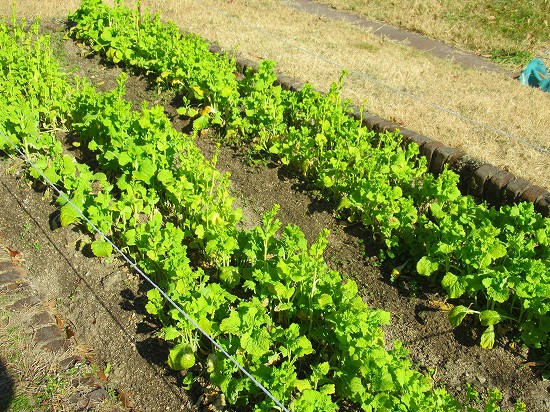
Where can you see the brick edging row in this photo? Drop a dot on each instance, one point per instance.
(477, 178)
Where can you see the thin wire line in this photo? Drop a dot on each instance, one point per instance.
(147, 278)
(372, 79)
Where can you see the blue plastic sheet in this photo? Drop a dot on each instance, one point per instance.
(535, 74)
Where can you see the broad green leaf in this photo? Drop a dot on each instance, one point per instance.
(488, 337)
(201, 123)
(146, 170)
(489, 317)
(445, 248)
(454, 285)
(199, 231)
(426, 267)
(304, 347)
(171, 333)
(68, 215)
(498, 291)
(69, 167)
(384, 317)
(102, 248)
(327, 181)
(457, 314)
(124, 158)
(437, 211)
(302, 384)
(256, 343)
(327, 389)
(232, 324)
(165, 176)
(497, 251)
(324, 300)
(156, 302)
(51, 174)
(130, 237)
(229, 275)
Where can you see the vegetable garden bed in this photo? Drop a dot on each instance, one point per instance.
(262, 282)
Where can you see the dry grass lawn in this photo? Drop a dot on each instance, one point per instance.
(508, 32)
(412, 89)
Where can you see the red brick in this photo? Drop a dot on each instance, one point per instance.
(477, 181)
(514, 189)
(427, 149)
(494, 187)
(383, 126)
(542, 205)
(441, 156)
(532, 193)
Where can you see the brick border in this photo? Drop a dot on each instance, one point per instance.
(481, 180)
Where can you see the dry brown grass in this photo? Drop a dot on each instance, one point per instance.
(270, 29)
(509, 31)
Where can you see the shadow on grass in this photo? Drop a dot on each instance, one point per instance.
(6, 387)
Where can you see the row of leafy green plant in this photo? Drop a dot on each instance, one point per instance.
(269, 299)
(495, 258)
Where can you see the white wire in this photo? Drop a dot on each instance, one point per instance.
(265, 33)
(147, 278)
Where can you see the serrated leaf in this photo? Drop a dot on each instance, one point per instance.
(232, 324)
(327, 181)
(488, 338)
(201, 123)
(256, 343)
(69, 167)
(437, 211)
(302, 384)
(165, 176)
(102, 248)
(497, 251)
(130, 237)
(304, 347)
(199, 231)
(384, 317)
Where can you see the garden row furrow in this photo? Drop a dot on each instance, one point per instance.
(493, 259)
(265, 295)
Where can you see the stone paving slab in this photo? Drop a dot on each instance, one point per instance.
(49, 337)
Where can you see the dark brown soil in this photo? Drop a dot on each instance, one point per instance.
(105, 301)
